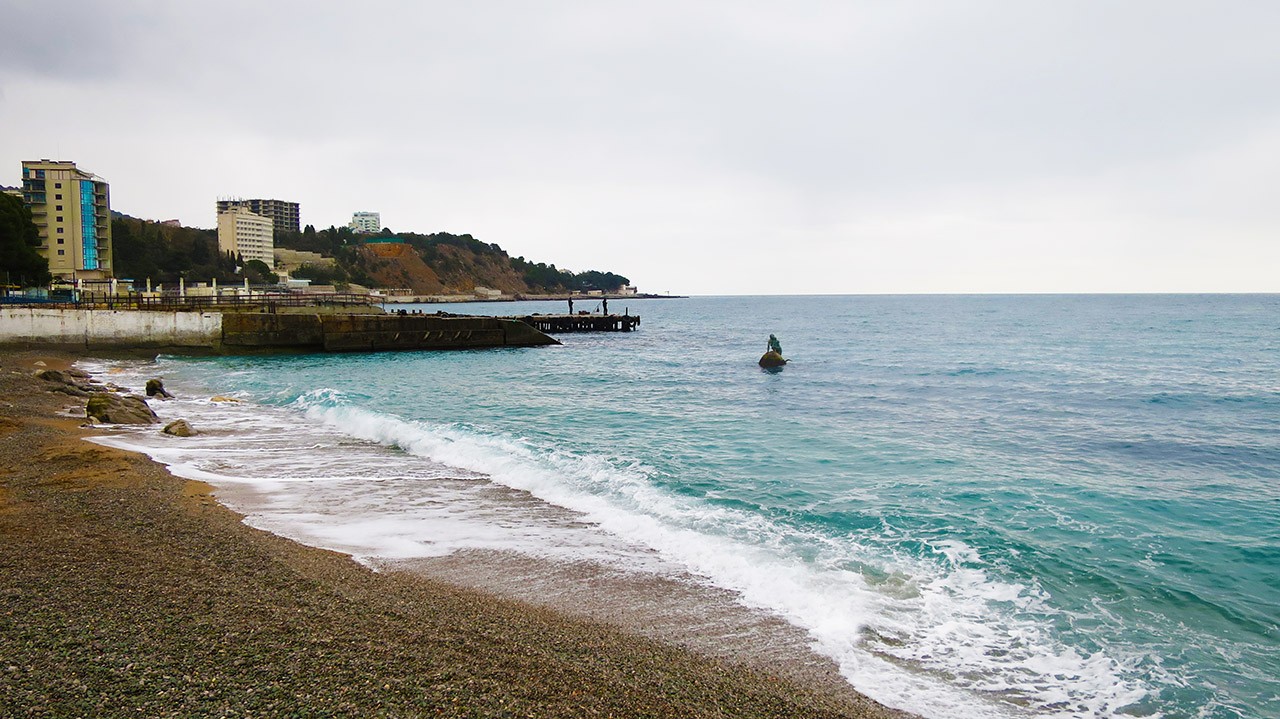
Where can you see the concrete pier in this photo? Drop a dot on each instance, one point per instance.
(241, 332)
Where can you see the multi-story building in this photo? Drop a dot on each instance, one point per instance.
(72, 211)
(366, 223)
(247, 234)
(283, 214)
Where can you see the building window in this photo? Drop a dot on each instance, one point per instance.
(61, 241)
(60, 229)
(57, 197)
(62, 252)
(57, 185)
(59, 218)
(59, 208)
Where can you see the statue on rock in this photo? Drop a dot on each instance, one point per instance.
(773, 355)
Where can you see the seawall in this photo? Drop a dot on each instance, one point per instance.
(244, 332)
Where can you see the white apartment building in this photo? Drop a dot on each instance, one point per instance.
(242, 232)
(366, 223)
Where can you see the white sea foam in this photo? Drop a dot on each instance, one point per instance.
(941, 638)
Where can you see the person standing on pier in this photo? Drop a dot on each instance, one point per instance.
(604, 304)
(570, 305)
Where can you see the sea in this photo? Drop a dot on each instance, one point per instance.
(970, 506)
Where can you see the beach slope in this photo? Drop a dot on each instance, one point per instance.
(127, 591)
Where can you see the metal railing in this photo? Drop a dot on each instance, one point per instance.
(192, 303)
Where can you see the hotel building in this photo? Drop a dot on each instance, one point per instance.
(246, 234)
(366, 223)
(284, 215)
(72, 211)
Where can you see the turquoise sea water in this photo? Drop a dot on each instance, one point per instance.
(978, 506)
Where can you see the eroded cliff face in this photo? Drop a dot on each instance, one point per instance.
(453, 270)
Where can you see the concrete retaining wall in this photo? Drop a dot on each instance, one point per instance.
(121, 329)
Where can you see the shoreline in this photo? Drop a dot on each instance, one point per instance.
(465, 299)
(129, 590)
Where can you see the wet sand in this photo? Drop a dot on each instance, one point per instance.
(127, 591)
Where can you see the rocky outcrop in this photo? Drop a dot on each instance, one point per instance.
(180, 428)
(404, 268)
(447, 270)
(119, 409)
(74, 382)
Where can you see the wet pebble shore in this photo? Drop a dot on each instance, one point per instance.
(127, 591)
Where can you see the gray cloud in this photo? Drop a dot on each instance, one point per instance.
(717, 126)
(73, 41)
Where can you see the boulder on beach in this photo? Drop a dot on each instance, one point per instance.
(180, 428)
(155, 388)
(72, 382)
(119, 409)
(53, 375)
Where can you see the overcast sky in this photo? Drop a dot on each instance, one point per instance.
(696, 147)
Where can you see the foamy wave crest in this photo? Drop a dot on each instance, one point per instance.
(913, 633)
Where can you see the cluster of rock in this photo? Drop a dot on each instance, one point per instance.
(111, 404)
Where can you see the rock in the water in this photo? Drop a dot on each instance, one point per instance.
(155, 388)
(220, 398)
(772, 359)
(119, 409)
(179, 428)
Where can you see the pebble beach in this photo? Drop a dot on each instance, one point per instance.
(127, 591)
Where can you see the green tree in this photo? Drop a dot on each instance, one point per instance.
(149, 250)
(596, 280)
(320, 275)
(259, 273)
(19, 238)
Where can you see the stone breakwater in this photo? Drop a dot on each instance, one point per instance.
(241, 332)
(127, 591)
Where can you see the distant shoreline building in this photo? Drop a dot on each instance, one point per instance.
(284, 215)
(72, 212)
(247, 234)
(366, 223)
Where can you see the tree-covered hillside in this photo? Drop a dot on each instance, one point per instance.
(20, 261)
(149, 250)
(440, 263)
(460, 262)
